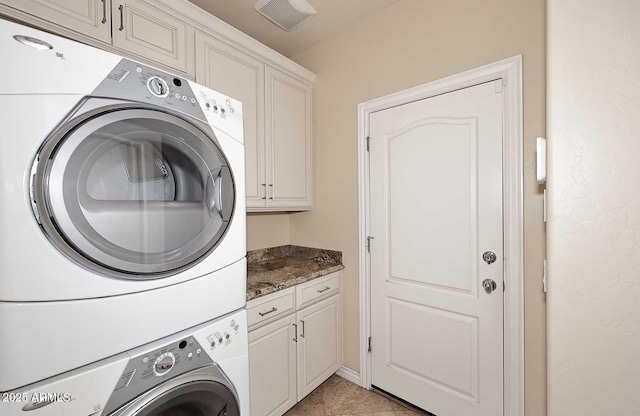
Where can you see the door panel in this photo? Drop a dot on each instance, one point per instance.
(451, 259)
(436, 205)
(449, 361)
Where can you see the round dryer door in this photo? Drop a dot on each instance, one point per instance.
(134, 193)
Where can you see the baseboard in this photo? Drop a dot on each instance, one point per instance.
(349, 374)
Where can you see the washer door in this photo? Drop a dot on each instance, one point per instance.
(198, 398)
(131, 192)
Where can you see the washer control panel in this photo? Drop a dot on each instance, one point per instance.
(147, 370)
(152, 364)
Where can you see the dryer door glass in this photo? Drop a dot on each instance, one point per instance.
(198, 398)
(135, 193)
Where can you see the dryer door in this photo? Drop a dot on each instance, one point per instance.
(133, 192)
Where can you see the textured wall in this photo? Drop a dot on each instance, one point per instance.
(594, 230)
(409, 43)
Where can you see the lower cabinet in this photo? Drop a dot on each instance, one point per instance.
(319, 344)
(272, 367)
(292, 355)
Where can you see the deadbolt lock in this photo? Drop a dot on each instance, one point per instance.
(489, 285)
(489, 257)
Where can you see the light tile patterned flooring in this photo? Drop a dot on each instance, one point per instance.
(337, 397)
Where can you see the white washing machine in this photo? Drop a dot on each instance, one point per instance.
(199, 372)
(123, 205)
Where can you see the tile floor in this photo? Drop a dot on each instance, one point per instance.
(337, 397)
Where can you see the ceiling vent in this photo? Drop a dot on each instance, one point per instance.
(286, 14)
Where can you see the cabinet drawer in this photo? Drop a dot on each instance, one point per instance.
(267, 308)
(315, 290)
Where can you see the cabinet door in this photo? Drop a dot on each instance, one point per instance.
(241, 76)
(319, 343)
(288, 136)
(272, 367)
(89, 17)
(148, 31)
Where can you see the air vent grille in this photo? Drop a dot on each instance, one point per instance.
(287, 14)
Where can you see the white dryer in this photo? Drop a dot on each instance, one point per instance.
(201, 372)
(123, 208)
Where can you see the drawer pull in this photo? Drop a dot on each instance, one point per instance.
(268, 312)
(324, 290)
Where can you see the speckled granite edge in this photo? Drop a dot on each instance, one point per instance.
(291, 251)
(273, 269)
(262, 288)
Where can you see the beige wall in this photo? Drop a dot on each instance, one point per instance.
(267, 230)
(594, 225)
(409, 43)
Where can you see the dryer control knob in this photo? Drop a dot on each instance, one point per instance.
(158, 87)
(164, 364)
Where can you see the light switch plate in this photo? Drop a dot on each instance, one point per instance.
(541, 159)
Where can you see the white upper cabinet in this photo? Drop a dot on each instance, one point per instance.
(288, 142)
(241, 76)
(134, 27)
(88, 17)
(277, 123)
(147, 31)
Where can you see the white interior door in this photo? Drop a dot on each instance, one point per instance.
(435, 208)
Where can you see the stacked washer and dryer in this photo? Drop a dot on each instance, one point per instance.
(122, 236)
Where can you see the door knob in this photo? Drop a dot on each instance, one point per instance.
(489, 285)
(489, 257)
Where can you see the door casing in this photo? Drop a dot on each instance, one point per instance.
(510, 71)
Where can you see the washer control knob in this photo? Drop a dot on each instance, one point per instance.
(226, 335)
(220, 340)
(164, 364)
(158, 87)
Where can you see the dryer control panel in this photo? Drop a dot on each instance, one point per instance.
(136, 82)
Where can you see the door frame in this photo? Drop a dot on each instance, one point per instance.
(510, 71)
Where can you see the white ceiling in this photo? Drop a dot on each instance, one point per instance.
(332, 16)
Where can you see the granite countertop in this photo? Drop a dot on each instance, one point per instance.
(277, 268)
